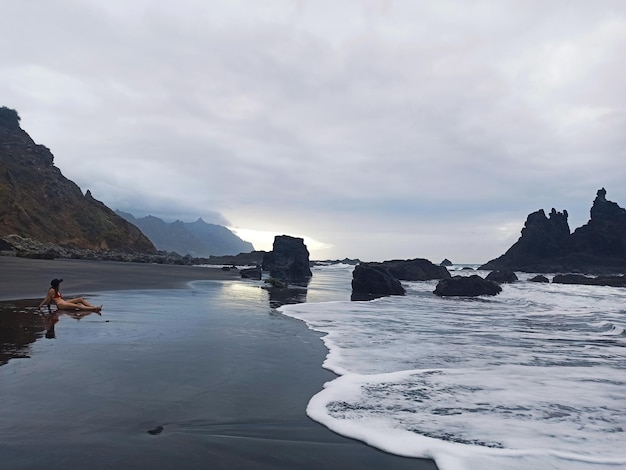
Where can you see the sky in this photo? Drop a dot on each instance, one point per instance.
(374, 129)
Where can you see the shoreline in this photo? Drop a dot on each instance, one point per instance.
(258, 389)
(23, 278)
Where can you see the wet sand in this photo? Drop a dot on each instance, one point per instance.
(89, 401)
(22, 278)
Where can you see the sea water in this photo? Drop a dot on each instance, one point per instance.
(533, 378)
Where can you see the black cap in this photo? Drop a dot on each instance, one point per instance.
(55, 282)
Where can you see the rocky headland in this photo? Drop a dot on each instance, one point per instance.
(37, 202)
(45, 215)
(546, 244)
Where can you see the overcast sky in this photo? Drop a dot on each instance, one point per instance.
(374, 129)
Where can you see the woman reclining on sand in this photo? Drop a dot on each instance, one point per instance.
(54, 297)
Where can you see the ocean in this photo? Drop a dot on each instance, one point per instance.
(533, 378)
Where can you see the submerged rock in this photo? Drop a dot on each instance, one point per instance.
(156, 430)
(466, 286)
(502, 277)
(612, 281)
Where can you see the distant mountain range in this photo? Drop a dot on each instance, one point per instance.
(198, 239)
(38, 203)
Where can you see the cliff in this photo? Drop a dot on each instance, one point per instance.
(546, 244)
(38, 202)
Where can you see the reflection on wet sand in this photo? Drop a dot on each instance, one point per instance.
(20, 326)
(51, 319)
(289, 294)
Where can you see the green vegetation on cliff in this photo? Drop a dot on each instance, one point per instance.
(38, 202)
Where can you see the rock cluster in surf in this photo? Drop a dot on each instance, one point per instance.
(372, 280)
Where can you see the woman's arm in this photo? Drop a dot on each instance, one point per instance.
(47, 300)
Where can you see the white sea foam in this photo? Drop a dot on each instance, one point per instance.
(532, 378)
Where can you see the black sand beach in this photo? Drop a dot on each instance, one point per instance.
(260, 372)
(22, 278)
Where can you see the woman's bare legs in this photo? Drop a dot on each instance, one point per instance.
(74, 305)
(80, 301)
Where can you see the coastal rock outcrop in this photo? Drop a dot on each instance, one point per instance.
(543, 238)
(502, 277)
(5, 245)
(328, 262)
(466, 286)
(289, 260)
(417, 269)
(446, 262)
(254, 258)
(603, 238)
(373, 280)
(546, 244)
(539, 278)
(39, 203)
(251, 273)
(612, 281)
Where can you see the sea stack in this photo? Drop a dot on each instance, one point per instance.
(289, 260)
(546, 245)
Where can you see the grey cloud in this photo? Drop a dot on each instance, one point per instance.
(404, 115)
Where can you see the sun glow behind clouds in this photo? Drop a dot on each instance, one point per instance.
(264, 241)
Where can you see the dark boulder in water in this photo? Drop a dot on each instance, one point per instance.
(446, 262)
(502, 277)
(612, 281)
(539, 278)
(466, 286)
(373, 280)
(417, 269)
